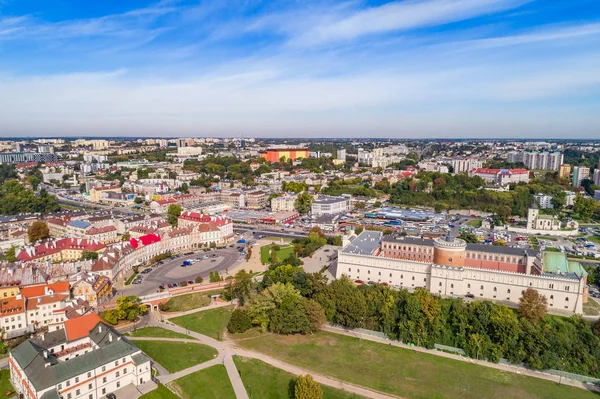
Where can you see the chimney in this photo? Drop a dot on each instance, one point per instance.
(100, 328)
(45, 354)
(43, 336)
(46, 290)
(109, 337)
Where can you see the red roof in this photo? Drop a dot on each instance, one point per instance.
(487, 171)
(203, 218)
(81, 326)
(40, 290)
(55, 246)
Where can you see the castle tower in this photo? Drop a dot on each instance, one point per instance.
(449, 251)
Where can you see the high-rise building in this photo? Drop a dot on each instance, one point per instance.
(597, 177)
(564, 171)
(580, 173)
(537, 160)
(341, 155)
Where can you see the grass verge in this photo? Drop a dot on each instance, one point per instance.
(130, 279)
(210, 383)
(210, 322)
(474, 223)
(5, 385)
(283, 253)
(591, 308)
(156, 332)
(177, 356)
(190, 301)
(404, 372)
(264, 381)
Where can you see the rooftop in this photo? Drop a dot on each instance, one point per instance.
(365, 244)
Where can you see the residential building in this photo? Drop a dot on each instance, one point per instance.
(328, 205)
(285, 203)
(257, 199)
(501, 177)
(341, 155)
(65, 249)
(85, 359)
(564, 171)
(91, 287)
(234, 199)
(465, 165)
(291, 153)
(580, 173)
(18, 157)
(544, 201)
(96, 192)
(597, 177)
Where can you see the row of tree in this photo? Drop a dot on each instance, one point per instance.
(289, 301)
(15, 199)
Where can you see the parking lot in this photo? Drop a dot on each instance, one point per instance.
(173, 272)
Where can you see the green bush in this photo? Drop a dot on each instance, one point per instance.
(239, 321)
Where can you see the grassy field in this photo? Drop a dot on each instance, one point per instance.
(474, 223)
(162, 392)
(190, 301)
(268, 382)
(591, 308)
(177, 356)
(283, 253)
(156, 332)
(209, 322)
(404, 372)
(277, 239)
(210, 383)
(5, 385)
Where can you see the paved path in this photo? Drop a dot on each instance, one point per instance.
(321, 379)
(223, 357)
(498, 366)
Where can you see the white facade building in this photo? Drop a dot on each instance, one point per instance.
(326, 205)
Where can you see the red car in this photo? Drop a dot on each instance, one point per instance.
(359, 281)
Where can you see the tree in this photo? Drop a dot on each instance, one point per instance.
(130, 307)
(307, 388)
(559, 200)
(377, 204)
(38, 231)
(198, 280)
(358, 230)
(532, 305)
(244, 286)
(239, 321)
(304, 202)
(126, 236)
(468, 237)
(10, 254)
(360, 205)
(184, 188)
(173, 213)
(138, 200)
(585, 207)
(88, 255)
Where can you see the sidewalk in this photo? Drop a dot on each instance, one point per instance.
(213, 305)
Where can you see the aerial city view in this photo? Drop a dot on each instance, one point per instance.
(392, 199)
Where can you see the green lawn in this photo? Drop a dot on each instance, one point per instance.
(156, 332)
(404, 372)
(190, 301)
(5, 385)
(162, 392)
(210, 383)
(283, 253)
(277, 240)
(177, 356)
(210, 322)
(268, 382)
(474, 223)
(594, 239)
(591, 308)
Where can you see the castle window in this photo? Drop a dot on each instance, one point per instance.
(508, 291)
(482, 287)
(495, 289)
(451, 285)
(440, 283)
(468, 285)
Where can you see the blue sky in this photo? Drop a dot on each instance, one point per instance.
(414, 68)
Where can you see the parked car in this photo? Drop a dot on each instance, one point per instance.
(470, 296)
(190, 282)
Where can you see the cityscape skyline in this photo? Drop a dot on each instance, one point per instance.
(408, 69)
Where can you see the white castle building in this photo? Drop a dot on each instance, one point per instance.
(451, 267)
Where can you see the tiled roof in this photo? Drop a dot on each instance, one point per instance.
(81, 326)
(40, 290)
(12, 305)
(55, 246)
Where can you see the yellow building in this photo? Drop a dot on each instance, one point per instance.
(564, 171)
(96, 192)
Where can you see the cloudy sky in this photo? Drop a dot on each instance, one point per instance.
(309, 68)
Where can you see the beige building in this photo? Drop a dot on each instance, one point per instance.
(256, 200)
(283, 204)
(96, 192)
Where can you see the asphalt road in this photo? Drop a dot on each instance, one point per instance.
(172, 272)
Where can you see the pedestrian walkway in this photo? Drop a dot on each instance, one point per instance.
(224, 357)
(212, 305)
